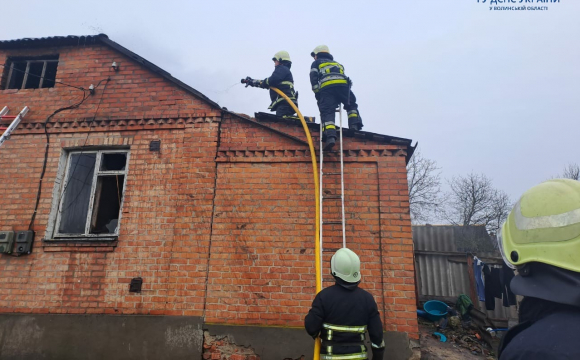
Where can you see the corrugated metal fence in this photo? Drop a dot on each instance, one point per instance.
(442, 270)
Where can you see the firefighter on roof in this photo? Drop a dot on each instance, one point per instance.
(332, 87)
(282, 79)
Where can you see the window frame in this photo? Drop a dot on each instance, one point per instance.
(96, 173)
(27, 71)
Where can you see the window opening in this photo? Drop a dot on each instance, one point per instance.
(115, 161)
(31, 73)
(92, 195)
(107, 204)
(16, 75)
(75, 206)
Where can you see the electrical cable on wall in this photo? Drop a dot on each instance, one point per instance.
(60, 198)
(47, 146)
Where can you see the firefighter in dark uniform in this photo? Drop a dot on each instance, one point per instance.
(341, 314)
(541, 238)
(331, 87)
(282, 79)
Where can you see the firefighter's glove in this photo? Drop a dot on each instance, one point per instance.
(251, 82)
(247, 81)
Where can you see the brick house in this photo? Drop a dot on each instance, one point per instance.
(214, 211)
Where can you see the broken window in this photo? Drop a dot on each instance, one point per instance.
(92, 194)
(30, 73)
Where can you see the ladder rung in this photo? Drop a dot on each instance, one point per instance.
(6, 117)
(331, 249)
(331, 173)
(332, 222)
(331, 197)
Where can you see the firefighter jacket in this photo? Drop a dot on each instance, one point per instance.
(326, 73)
(340, 315)
(552, 337)
(282, 79)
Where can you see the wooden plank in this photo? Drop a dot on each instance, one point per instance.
(416, 270)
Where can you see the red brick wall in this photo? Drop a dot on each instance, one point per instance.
(132, 93)
(262, 251)
(165, 225)
(249, 212)
(164, 232)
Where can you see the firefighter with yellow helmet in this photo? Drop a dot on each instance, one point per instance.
(282, 79)
(331, 87)
(541, 239)
(343, 313)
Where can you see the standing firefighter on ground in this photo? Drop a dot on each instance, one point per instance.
(331, 88)
(282, 79)
(341, 314)
(541, 238)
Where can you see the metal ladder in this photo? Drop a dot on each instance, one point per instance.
(15, 121)
(324, 198)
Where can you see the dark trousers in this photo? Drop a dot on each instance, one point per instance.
(329, 99)
(284, 109)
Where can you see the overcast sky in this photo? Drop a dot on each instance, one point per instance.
(495, 92)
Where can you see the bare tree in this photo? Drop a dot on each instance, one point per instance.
(572, 171)
(424, 182)
(501, 207)
(474, 201)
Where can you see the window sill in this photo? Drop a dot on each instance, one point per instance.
(14, 91)
(80, 244)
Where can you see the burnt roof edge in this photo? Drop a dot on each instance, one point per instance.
(386, 139)
(103, 38)
(156, 69)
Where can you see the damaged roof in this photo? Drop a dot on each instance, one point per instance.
(74, 40)
(363, 135)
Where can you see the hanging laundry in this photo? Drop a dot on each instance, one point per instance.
(477, 264)
(507, 274)
(489, 295)
(496, 283)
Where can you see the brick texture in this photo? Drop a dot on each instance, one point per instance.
(220, 223)
(216, 347)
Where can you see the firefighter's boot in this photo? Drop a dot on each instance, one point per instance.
(329, 138)
(354, 120)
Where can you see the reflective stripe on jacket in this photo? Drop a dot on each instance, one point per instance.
(325, 72)
(288, 89)
(341, 315)
(282, 79)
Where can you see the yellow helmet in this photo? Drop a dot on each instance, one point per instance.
(544, 226)
(319, 49)
(281, 55)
